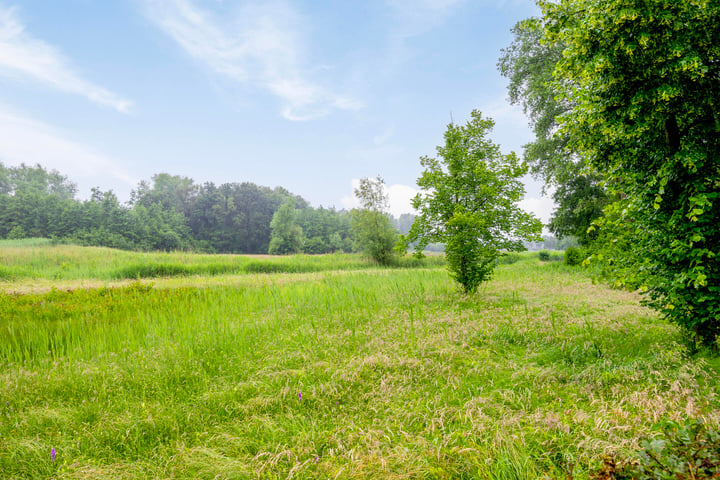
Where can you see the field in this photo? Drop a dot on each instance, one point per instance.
(130, 365)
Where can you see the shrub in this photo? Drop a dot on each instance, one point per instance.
(152, 270)
(573, 256)
(689, 450)
(509, 258)
(544, 255)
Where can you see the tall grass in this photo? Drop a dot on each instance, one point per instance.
(382, 373)
(67, 262)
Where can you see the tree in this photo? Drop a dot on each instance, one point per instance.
(286, 236)
(528, 63)
(644, 79)
(373, 232)
(320, 225)
(469, 202)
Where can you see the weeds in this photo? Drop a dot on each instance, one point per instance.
(401, 375)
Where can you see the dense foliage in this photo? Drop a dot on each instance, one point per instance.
(682, 450)
(644, 81)
(529, 63)
(169, 213)
(286, 236)
(469, 203)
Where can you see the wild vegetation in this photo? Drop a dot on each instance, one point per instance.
(626, 93)
(119, 364)
(333, 373)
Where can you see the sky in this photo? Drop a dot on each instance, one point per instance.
(309, 95)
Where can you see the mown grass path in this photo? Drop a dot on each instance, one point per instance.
(371, 374)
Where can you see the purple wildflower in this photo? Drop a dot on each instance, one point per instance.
(317, 459)
(52, 454)
(300, 395)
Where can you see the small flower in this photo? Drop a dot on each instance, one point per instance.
(317, 459)
(300, 395)
(52, 454)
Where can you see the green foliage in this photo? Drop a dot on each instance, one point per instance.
(645, 91)
(286, 236)
(528, 63)
(573, 256)
(544, 255)
(16, 233)
(325, 230)
(509, 258)
(469, 203)
(169, 213)
(682, 450)
(580, 201)
(372, 230)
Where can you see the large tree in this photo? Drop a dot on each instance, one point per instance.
(468, 202)
(643, 77)
(528, 63)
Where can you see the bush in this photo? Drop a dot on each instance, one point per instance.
(544, 255)
(689, 450)
(16, 233)
(152, 270)
(509, 258)
(573, 256)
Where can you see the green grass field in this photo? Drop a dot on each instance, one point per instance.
(320, 367)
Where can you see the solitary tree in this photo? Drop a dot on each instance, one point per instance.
(372, 229)
(644, 80)
(286, 236)
(469, 203)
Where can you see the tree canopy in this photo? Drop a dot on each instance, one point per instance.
(168, 212)
(286, 237)
(529, 64)
(643, 77)
(469, 202)
(372, 229)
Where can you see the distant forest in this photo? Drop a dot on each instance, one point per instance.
(168, 213)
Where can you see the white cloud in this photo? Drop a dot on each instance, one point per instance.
(416, 17)
(542, 207)
(24, 140)
(25, 57)
(399, 198)
(260, 45)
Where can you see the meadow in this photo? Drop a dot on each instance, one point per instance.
(232, 367)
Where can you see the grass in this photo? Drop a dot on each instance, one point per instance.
(23, 268)
(333, 373)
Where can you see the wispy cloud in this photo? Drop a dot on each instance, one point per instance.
(24, 140)
(26, 57)
(257, 44)
(418, 16)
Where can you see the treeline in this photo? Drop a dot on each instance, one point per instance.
(168, 213)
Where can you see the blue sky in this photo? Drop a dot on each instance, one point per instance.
(307, 95)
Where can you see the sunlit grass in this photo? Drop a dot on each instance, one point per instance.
(382, 373)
